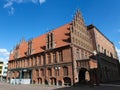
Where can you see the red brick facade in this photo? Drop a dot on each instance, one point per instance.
(58, 57)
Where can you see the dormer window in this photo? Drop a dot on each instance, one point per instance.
(50, 40)
(29, 47)
(16, 52)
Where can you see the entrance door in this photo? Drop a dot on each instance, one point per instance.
(84, 76)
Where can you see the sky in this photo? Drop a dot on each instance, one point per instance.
(31, 18)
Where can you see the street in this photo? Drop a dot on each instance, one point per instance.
(6, 86)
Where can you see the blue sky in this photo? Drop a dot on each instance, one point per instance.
(31, 18)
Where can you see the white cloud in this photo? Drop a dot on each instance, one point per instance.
(35, 1)
(5, 60)
(118, 52)
(11, 11)
(42, 1)
(9, 4)
(4, 52)
(119, 42)
(4, 55)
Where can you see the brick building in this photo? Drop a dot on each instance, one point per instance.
(64, 56)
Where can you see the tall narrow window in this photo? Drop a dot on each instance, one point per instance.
(65, 70)
(50, 41)
(111, 55)
(29, 47)
(60, 56)
(39, 60)
(43, 59)
(16, 52)
(105, 51)
(98, 48)
(49, 58)
(82, 54)
(102, 49)
(35, 60)
(27, 62)
(49, 72)
(54, 57)
(31, 61)
(42, 72)
(37, 72)
(77, 54)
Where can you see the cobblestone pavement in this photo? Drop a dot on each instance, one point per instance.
(6, 86)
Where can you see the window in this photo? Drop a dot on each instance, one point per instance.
(49, 58)
(39, 60)
(50, 41)
(86, 56)
(16, 54)
(42, 72)
(111, 55)
(31, 61)
(29, 47)
(6, 67)
(82, 54)
(35, 60)
(77, 54)
(44, 59)
(98, 48)
(27, 62)
(37, 72)
(60, 56)
(5, 72)
(49, 72)
(65, 70)
(105, 51)
(102, 49)
(54, 58)
(1, 62)
(0, 67)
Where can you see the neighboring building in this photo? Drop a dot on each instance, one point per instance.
(4, 71)
(1, 67)
(64, 56)
(106, 54)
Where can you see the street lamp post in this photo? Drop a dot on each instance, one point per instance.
(57, 73)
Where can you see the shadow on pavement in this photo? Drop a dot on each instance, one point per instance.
(89, 87)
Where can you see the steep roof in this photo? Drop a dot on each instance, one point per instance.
(61, 38)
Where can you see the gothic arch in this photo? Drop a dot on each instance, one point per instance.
(67, 81)
(84, 75)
